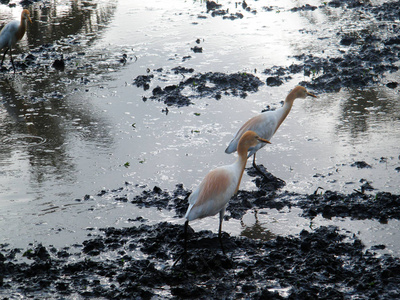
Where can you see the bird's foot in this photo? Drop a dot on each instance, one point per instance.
(261, 172)
(182, 257)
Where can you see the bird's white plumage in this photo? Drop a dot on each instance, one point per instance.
(214, 192)
(8, 37)
(264, 125)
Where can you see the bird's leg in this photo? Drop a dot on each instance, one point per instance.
(258, 169)
(4, 55)
(184, 245)
(221, 217)
(12, 61)
(185, 234)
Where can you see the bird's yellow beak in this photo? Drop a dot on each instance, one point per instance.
(312, 95)
(29, 18)
(263, 140)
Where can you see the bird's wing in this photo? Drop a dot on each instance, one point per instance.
(212, 194)
(263, 124)
(7, 34)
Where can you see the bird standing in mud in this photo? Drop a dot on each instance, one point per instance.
(266, 124)
(12, 33)
(219, 185)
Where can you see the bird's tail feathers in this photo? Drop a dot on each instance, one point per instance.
(232, 147)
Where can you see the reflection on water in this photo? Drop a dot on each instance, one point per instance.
(53, 21)
(365, 110)
(39, 128)
(257, 230)
(40, 134)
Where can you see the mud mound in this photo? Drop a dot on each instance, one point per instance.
(382, 206)
(210, 84)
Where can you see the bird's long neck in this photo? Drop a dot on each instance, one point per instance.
(241, 162)
(21, 28)
(287, 106)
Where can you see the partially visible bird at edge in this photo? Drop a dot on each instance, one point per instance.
(12, 33)
(218, 187)
(267, 123)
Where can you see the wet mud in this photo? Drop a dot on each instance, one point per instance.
(201, 85)
(320, 263)
(138, 261)
(367, 54)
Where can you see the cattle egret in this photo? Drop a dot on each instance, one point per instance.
(12, 33)
(267, 123)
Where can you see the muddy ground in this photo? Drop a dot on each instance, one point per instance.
(320, 263)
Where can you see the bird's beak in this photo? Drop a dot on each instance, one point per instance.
(263, 140)
(29, 18)
(312, 95)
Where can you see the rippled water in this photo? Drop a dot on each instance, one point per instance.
(68, 134)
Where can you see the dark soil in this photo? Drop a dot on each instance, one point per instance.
(211, 85)
(322, 263)
(319, 264)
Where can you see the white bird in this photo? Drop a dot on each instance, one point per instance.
(267, 123)
(12, 33)
(219, 185)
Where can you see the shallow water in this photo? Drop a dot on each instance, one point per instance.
(68, 134)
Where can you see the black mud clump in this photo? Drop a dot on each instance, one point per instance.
(382, 206)
(143, 81)
(265, 197)
(323, 263)
(210, 84)
(306, 7)
(267, 181)
(355, 69)
(163, 199)
(360, 165)
(217, 10)
(211, 5)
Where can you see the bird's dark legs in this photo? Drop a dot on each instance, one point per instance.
(254, 162)
(257, 168)
(221, 217)
(185, 233)
(4, 55)
(12, 61)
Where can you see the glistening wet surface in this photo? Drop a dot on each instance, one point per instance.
(68, 134)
